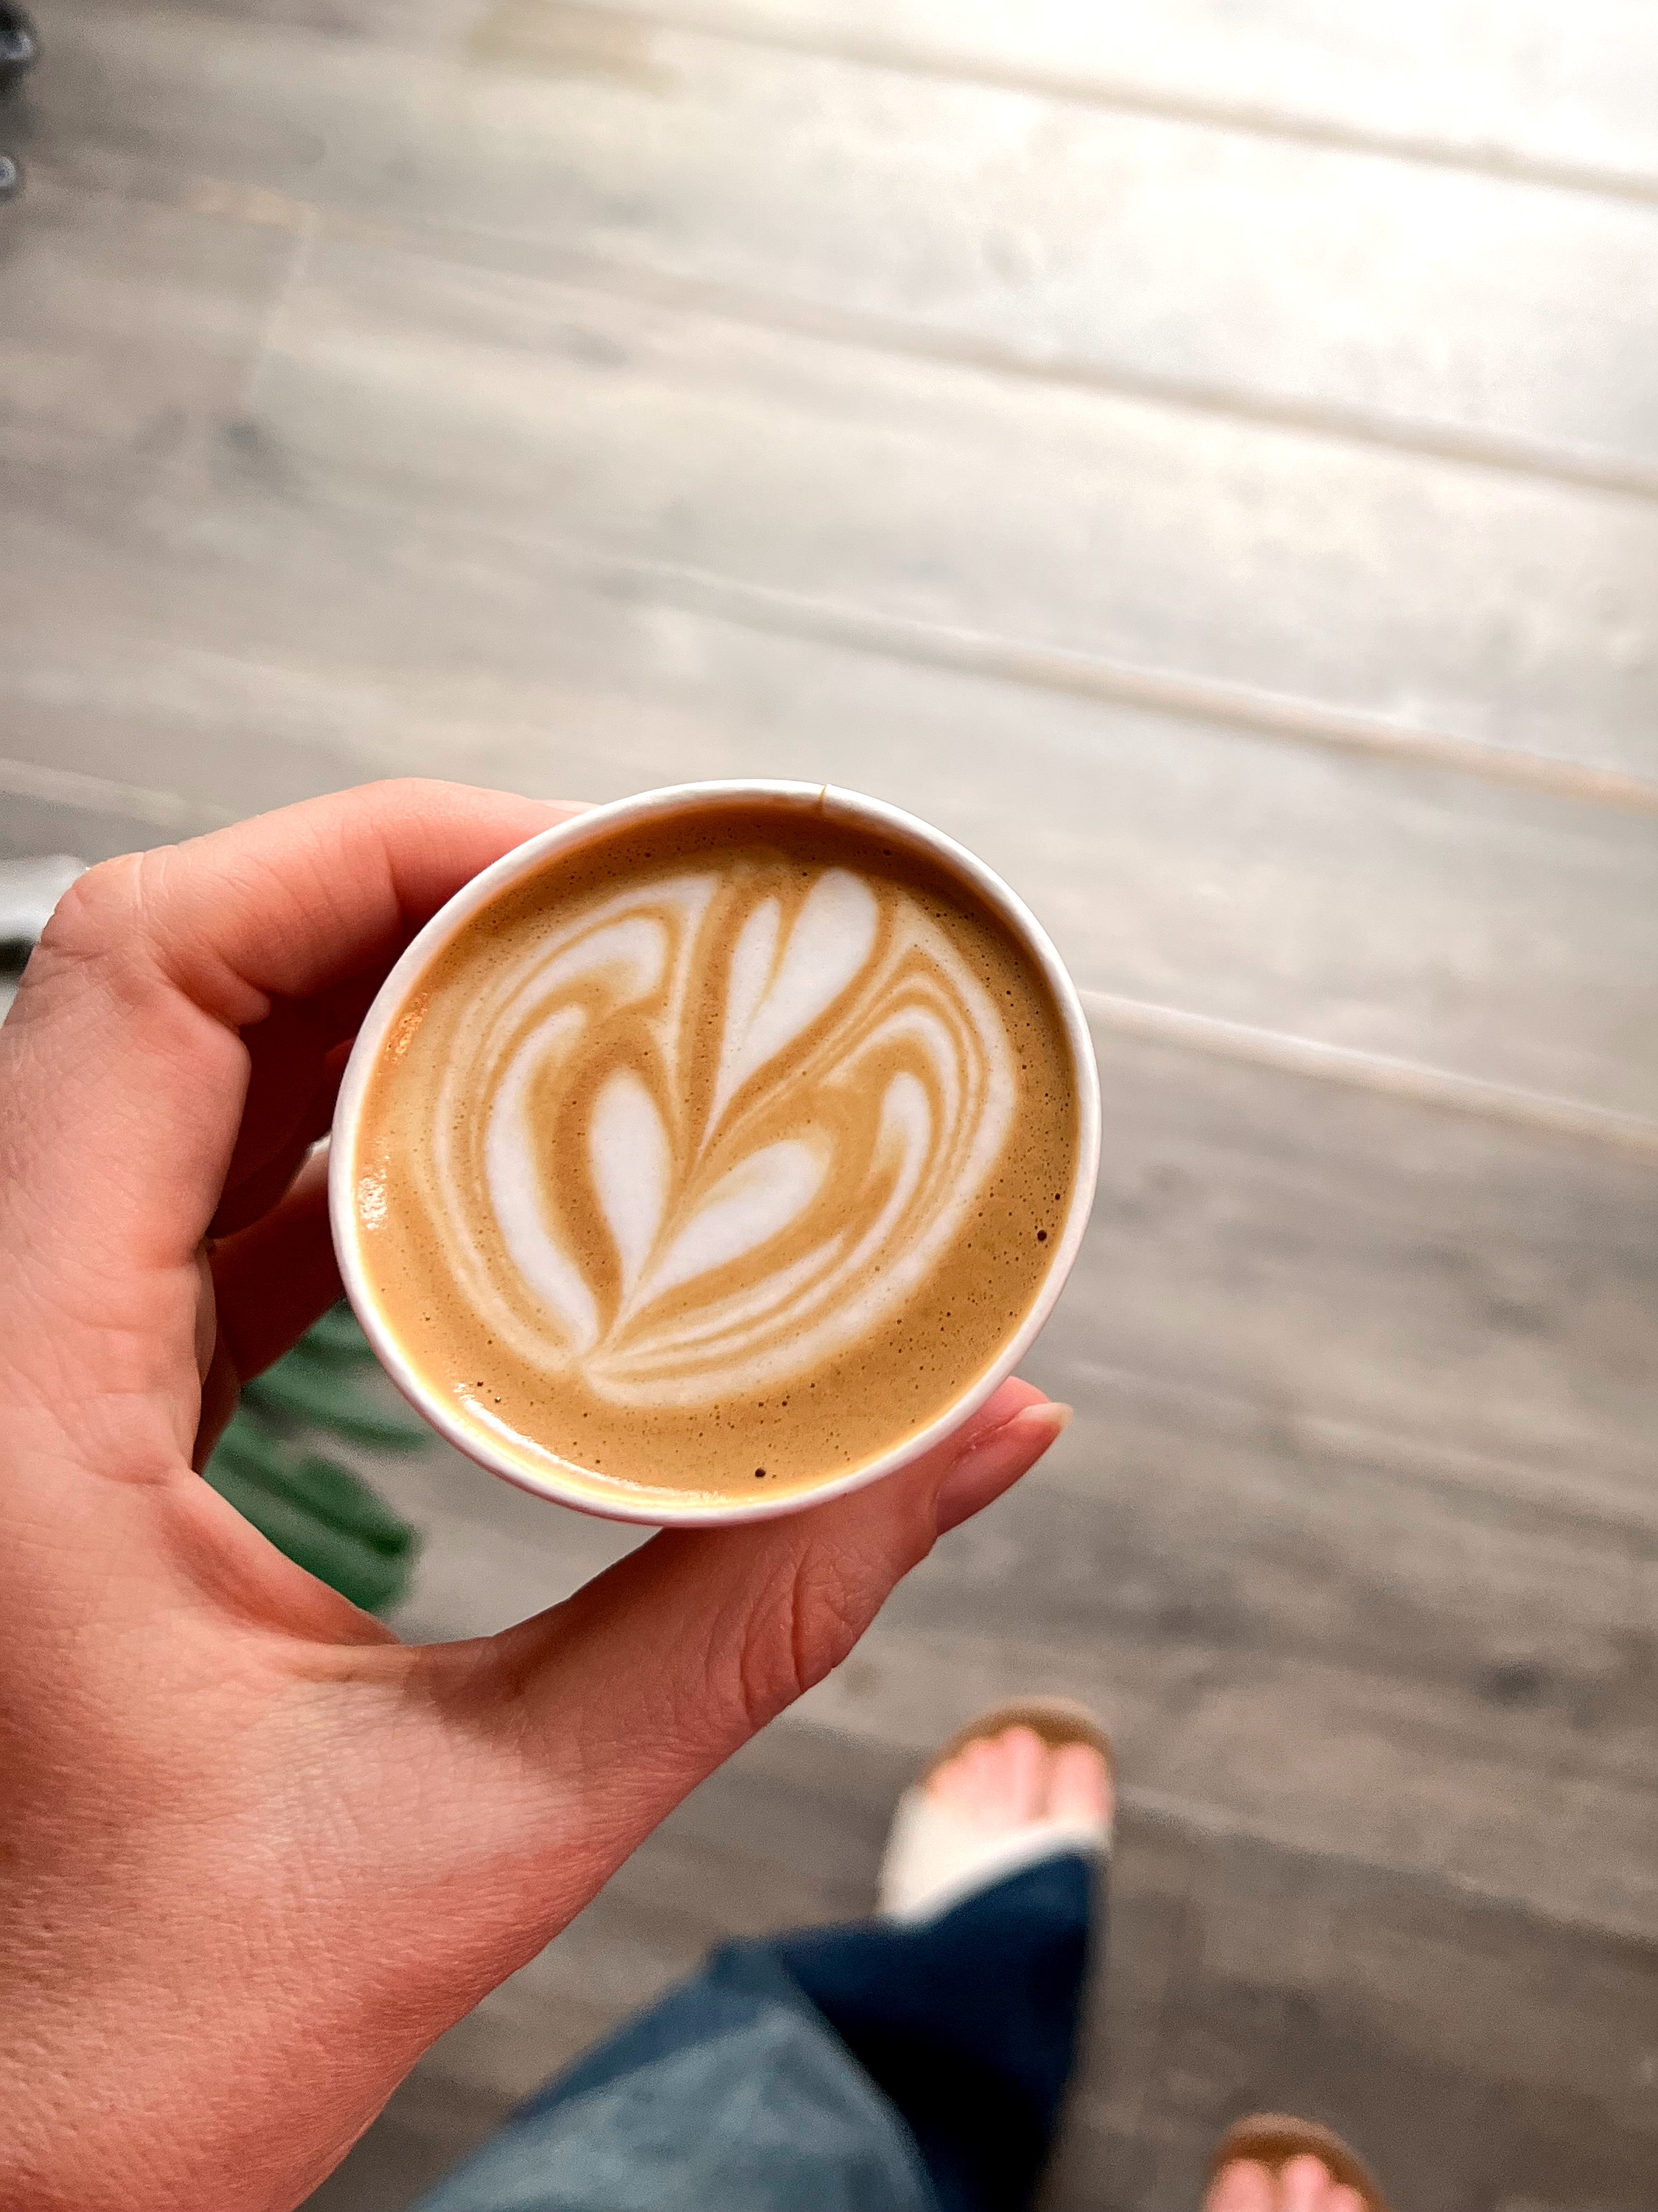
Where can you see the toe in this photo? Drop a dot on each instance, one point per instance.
(951, 1784)
(1305, 2184)
(1022, 1759)
(981, 1780)
(1243, 2185)
(1010, 1779)
(1343, 2199)
(1079, 1785)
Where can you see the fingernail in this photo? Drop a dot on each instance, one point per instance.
(996, 1463)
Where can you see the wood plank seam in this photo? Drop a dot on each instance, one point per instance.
(1213, 1823)
(1461, 446)
(1218, 701)
(1503, 164)
(1213, 700)
(1440, 1089)
(1155, 2040)
(1509, 1490)
(306, 224)
(98, 794)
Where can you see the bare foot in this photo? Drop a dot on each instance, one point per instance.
(1302, 2184)
(1002, 1802)
(1000, 1783)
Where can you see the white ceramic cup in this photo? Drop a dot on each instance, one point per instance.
(589, 1493)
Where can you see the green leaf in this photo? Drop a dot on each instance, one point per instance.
(321, 1514)
(301, 1393)
(321, 1487)
(369, 1578)
(336, 1340)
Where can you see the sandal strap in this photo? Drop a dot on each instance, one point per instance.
(1057, 1720)
(1272, 2139)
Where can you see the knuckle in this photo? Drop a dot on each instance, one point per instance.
(110, 925)
(98, 908)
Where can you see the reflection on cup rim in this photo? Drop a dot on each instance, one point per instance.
(854, 810)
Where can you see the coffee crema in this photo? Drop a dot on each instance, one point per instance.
(729, 1150)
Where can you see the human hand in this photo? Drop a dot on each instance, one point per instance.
(255, 1854)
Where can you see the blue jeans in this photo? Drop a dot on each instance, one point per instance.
(873, 2068)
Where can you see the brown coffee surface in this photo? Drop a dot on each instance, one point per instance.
(727, 1151)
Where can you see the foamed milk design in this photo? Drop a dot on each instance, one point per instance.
(695, 1138)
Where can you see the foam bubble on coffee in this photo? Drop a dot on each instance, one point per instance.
(701, 1129)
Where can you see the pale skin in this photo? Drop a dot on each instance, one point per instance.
(255, 1853)
(1007, 1780)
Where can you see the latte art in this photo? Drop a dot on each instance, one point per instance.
(718, 1127)
(720, 1149)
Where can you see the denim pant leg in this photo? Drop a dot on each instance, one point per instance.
(873, 2068)
(969, 2022)
(730, 2095)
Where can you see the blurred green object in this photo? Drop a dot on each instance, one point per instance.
(321, 1514)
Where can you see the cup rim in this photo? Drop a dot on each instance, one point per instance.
(857, 810)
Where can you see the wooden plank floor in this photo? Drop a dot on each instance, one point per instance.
(1207, 459)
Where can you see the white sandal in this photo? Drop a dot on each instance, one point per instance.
(934, 1857)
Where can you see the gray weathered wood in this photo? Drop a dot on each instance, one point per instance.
(1396, 301)
(1482, 2058)
(1520, 88)
(1517, 87)
(1354, 1268)
(1509, 611)
(1365, 903)
(188, 295)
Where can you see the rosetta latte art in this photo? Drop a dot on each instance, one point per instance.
(707, 1132)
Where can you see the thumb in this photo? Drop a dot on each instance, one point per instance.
(628, 1695)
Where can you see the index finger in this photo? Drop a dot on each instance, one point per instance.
(123, 1062)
